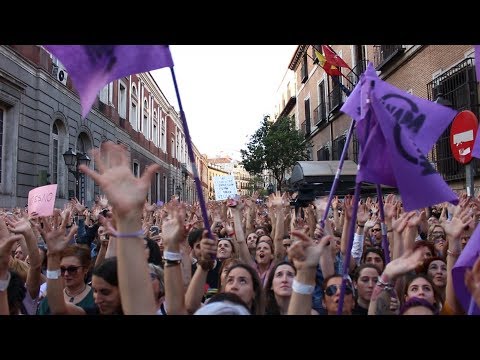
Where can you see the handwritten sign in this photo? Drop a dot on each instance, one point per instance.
(224, 187)
(42, 200)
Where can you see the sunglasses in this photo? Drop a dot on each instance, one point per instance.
(376, 229)
(72, 270)
(332, 290)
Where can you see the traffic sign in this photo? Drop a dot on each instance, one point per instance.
(462, 136)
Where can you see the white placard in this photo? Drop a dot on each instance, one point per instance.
(224, 187)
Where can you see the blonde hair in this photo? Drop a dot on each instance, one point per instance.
(20, 267)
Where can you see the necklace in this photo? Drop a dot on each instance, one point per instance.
(72, 297)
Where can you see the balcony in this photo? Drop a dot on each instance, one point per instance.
(320, 114)
(305, 128)
(354, 75)
(383, 54)
(184, 168)
(335, 99)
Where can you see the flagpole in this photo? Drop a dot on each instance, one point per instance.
(338, 172)
(350, 81)
(385, 245)
(346, 259)
(188, 140)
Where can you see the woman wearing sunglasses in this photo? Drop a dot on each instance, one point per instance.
(74, 266)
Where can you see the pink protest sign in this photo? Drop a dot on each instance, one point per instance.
(42, 200)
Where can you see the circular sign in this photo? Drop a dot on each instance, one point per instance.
(462, 136)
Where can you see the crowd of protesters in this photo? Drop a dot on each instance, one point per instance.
(126, 256)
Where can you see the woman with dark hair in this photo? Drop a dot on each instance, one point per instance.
(16, 292)
(421, 286)
(244, 281)
(279, 289)
(418, 306)
(436, 269)
(153, 253)
(375, 256)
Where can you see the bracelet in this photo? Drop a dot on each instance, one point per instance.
(53, 274)
(137, 234)
(301, 288)
(453, 253)
(360, 225)
(172, 256)
(4, 283)
(389, 230)
(231, 234)
(169, 263)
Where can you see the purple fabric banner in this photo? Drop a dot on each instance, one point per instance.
(465, 261)
(94, 66)
(395, 129)
(476, 144)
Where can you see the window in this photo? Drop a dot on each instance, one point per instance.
(337, 148)
(55, 154)
(122, 100)
(133, 116)
(307, 117)
(323, 154)
(157, 187)
(136, 169)
(172, 149)
(162, 137)
(145, 119)
(106, 94)
(320, 113)
(155, 134)
(304, 71)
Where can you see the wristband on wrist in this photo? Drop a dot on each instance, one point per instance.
(137, 234)
(231, 234)
(4, 283)
(169, 263)
(453, 253)
(301, 288)
(53, 274)
(360, 225)
(172, 256)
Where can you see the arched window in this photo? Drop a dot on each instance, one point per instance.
(55, 154)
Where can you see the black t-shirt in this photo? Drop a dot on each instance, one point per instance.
(212, 276)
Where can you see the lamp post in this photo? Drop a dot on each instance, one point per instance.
(178, 189)
(73, 161)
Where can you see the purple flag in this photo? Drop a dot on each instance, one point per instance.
(94, 66)
(417, 181)
(466, 260)
(395, 129)
(476, 144)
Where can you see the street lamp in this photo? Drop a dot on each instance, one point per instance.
(178, 189)
(73, 161)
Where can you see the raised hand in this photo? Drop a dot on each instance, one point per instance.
(55, 236)
(305, 253)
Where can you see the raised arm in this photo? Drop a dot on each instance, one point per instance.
(126, 194)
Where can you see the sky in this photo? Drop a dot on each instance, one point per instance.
(225, 91)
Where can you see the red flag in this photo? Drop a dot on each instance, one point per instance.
(328, 67)
(334, 58)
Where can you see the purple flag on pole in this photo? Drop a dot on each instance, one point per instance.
(94, 66)
(395, 129)
(476, 144)
(466, 260)
(410, 168)
(424, 120)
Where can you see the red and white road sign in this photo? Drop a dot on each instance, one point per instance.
(462, 136)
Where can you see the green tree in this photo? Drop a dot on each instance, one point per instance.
(275, 147)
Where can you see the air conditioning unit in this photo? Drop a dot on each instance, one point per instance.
(60, 74)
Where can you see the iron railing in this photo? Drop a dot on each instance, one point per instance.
(458, 85)
(384, 53)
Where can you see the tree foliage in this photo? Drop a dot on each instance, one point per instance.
(275, 147)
